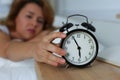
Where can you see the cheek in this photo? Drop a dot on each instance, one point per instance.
(20, 23)
(39, 29)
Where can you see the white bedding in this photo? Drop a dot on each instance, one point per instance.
(23, 70)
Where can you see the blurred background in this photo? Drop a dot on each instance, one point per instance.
(4, 8)
(99, 9)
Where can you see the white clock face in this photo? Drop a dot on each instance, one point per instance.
(80, 47)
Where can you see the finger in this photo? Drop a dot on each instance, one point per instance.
(47, 61)
(58, 45)
(51, 63)
(56, 59)
(55, 49)
(55, 35)
(43, 58)
(48, 58)
(53, 58)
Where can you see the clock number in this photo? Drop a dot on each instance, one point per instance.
(79, 59)
(86, 58)
(84, 36)
(90, 53)
(68, 42)
(72, 58)
(67, 55)
(72, 38)
(78, 35)
(92, 47)
(65, 47)
(89, 40)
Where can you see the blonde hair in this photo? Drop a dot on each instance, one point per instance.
(17, 5)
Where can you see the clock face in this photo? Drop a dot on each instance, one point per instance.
(81, 47)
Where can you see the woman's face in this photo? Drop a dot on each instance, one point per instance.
(29, 21)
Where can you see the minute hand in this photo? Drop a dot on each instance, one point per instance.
(75, 41)
(78, 47)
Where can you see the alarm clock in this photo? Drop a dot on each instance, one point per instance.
(80, 43)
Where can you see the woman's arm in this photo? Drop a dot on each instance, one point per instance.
(14, 50)
(4, 39)
(39, 49)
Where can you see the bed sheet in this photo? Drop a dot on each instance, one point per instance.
(23, 70)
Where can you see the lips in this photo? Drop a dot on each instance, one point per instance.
(32, 31)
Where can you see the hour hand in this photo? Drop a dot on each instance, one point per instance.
(79, 53)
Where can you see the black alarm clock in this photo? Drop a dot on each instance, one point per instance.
(80, 43)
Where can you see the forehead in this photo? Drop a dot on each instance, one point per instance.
(32, 7)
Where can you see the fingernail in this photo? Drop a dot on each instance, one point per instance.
(63, 52)
(62, 60)
(63, 35)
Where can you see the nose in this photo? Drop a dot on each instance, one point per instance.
(34, 23)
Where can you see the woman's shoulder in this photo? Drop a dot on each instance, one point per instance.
(4, 29)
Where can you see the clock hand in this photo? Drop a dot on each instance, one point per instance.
(78, 47)
(75, 41)
(79, 53)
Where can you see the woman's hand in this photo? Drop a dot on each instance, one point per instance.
(44, 48)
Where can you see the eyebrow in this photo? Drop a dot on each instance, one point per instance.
(31, 12)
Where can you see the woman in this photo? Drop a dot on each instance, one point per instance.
(26, 33)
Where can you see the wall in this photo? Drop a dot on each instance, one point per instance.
(54, 4)
(99, 9)
(4, 8)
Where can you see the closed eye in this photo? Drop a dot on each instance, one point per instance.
(40, 21)
(29, 16)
